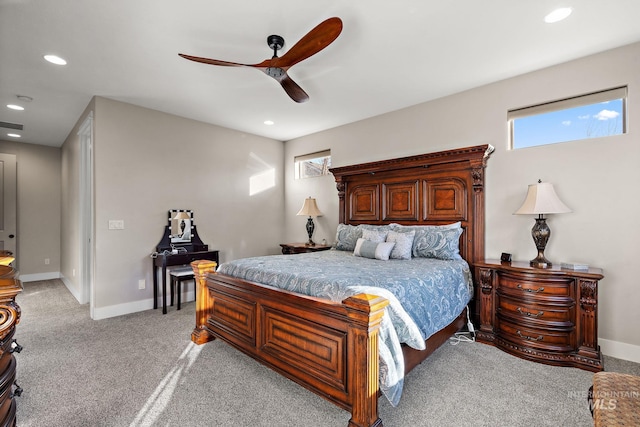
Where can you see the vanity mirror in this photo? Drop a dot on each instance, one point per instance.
(181, 232)
(180, 223)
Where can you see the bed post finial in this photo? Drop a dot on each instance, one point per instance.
(200, 270)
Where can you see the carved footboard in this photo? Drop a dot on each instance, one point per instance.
(329, 348)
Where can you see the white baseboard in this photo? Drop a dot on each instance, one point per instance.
(620, 350)
(136, 306)
(39, 276)
(122, 309)
(72, 289)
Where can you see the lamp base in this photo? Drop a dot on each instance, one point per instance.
(540, 262)
(310, 227)
(540, 233)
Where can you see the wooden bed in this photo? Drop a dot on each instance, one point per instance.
(332, 348)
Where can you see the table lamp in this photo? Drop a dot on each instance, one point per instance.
(310, 208)
(541, 200)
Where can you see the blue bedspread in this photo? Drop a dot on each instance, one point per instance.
(424, 294)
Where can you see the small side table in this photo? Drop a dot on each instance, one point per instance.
(299, 248)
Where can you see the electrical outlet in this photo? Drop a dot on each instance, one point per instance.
(141, 284)
(47, 261)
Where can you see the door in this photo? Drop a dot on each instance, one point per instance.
(8, 189)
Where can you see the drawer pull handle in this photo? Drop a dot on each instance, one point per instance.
(540, 289)
(15, 347)
(529, 314)
(528, 338)
(17, 391)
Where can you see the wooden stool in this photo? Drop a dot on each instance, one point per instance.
(176, 277)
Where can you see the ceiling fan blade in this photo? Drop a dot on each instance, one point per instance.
(313, 42)
(294, 91)
(213, 61)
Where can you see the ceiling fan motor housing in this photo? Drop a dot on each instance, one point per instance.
(275, 42)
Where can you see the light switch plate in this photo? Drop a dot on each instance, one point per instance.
(116, 224)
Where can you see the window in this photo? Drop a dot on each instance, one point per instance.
(314, 164)
(582, 117)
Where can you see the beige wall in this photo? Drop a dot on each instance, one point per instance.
(147, 162)
(38, 208)
(598, 179)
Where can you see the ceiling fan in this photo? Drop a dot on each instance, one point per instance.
(313, 42)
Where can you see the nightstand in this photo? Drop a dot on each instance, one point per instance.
(299, 248)
(548, 315)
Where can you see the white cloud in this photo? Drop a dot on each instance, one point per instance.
(567, 122)
(606, 115)
(585, 117)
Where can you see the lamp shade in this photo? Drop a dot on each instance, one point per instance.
(309, 208)
(182, 215)
(542, 199)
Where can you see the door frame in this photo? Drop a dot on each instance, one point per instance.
(9, 202)
(86, 214)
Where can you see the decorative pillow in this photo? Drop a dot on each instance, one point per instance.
(368, 249)
(437, 242)
(403, 244)
(377, 236)
(386, 227)
(346, 237)
(418, 228)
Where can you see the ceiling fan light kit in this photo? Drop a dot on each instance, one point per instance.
(313, 42)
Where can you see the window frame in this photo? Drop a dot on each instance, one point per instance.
(606, 95)
(299, 160)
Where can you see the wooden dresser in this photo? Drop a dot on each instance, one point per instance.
(545, 315)
(10, 286)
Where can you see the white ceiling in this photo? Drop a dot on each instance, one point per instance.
(390, 55)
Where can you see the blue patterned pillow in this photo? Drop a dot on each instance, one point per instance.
(437, 242)
(369, 249)
(374, 235)
(403, 244)
(383, 228)
(347, 236)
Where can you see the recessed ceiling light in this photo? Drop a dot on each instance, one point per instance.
(15, 107)
(558, 15)
(13, 135)
(55, 59)
(268, 122)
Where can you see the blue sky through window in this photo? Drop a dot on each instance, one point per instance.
(589, 121)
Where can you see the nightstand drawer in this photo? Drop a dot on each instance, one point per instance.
(542, 315)
(547, 339)
(529, 287)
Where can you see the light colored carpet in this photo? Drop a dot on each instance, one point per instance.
(143, 370)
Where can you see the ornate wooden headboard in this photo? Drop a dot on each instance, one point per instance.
(427, 189)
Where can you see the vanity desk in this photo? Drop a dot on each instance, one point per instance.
(180, 245)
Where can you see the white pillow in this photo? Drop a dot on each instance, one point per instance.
(403, 244)
(369, 249)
